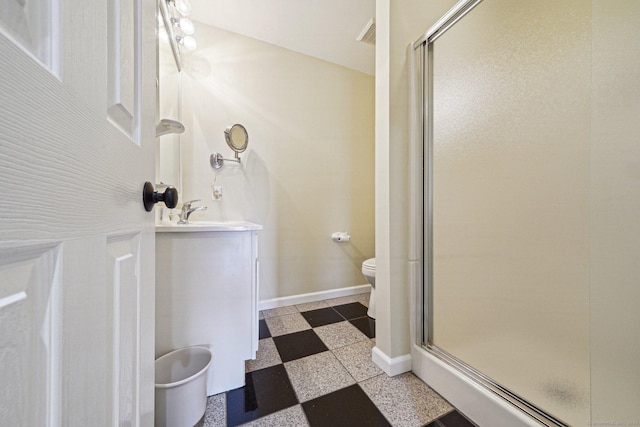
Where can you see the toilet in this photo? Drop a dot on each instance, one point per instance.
(369, 271)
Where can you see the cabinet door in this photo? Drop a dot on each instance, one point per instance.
(206, 296)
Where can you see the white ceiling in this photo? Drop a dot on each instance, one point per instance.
(326, 29)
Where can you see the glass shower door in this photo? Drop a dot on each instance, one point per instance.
(531, 198)
(510, 173)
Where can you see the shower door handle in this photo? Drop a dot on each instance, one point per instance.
(150, 197)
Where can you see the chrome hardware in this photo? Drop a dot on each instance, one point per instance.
(187, 210)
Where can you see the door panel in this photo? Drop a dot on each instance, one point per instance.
(29, 23)
(29, 315)
(76, 245)
(121, 63)
(122, 265)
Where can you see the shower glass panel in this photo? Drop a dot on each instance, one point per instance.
(511, 105)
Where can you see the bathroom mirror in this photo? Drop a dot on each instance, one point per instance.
(168, 113)
(237, 138)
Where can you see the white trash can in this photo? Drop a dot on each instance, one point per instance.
(181, 386)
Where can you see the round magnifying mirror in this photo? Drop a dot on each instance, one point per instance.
(237, 138)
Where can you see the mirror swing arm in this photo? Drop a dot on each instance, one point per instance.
(237, 139)
(217, 160)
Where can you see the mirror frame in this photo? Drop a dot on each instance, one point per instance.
(228, 136)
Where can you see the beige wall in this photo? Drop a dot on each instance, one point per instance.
(308, 171)
(398, 23)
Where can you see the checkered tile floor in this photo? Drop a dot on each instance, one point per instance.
(314, 368)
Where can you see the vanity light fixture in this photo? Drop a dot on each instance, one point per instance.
(185, 25)
(172, 14)
(188, 42)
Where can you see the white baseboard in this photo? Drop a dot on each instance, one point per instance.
(313, 297)
(392, 366)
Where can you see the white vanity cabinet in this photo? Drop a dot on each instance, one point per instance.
(207, 294)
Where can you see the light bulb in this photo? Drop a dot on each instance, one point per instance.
(188, 42)
(184, 24)
(183, 6)
(187, 26)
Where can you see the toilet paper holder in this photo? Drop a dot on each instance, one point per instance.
(340, 237)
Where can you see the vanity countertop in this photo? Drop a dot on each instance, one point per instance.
(196, 226)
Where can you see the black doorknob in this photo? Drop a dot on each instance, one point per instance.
(151, 197)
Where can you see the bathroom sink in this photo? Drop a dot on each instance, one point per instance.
(195, 226)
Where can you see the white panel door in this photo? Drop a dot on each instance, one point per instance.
(77, 106)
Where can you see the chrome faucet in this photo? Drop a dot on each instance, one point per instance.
(187, 210)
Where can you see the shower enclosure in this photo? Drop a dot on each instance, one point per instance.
(529, 126)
